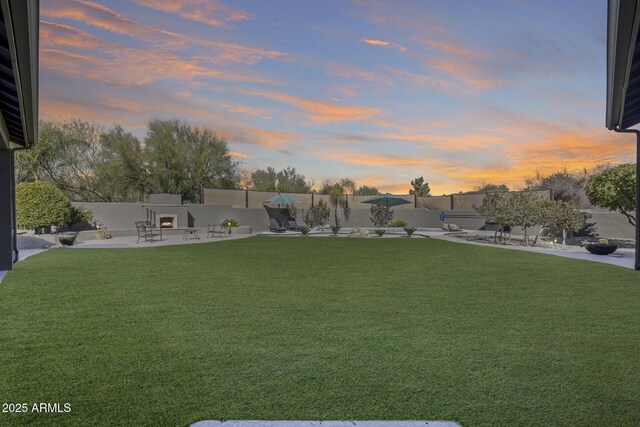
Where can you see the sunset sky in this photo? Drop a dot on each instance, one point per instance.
(379, 91)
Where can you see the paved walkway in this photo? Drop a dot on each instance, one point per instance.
(621, 258)
(373, 423)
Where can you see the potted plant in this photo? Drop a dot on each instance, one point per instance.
(102, 232)
(228, 224)
(67, 238)
(601, 247)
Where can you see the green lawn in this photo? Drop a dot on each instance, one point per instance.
(320, 328)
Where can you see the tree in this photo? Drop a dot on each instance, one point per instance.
(317, 215)
(381, 215)
(562, 214)
(496, 210)
(285, 181)
(566, 186)
(41, 204)
(325, 188)
(522, 209)
(121, 176)
(490, 188)
(337, 196)
(264, 180)
(365, 190)
(527, 210)
(181, 160)
(615, 189)
(67, 155)
(420, 188)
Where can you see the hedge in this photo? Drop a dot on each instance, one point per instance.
(40, 204)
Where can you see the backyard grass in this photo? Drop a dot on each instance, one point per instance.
(320, 328)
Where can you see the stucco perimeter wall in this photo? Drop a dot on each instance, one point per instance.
(611, 225)
(256, 218)
(116, 216)
(122, 216)
(236, 198)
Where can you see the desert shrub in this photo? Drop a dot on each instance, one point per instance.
(79, 215)
(230, 223)
(380, 232)
(398, 222)
(409, 230)
(40, 204)
(317, 215)
(304, 230)
(335, 229)
(381, 215)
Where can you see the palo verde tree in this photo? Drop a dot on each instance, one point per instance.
(615, 189)
(565, 185)
(285, 181)
(365, 190)
(181, 159)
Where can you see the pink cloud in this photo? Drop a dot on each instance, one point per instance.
(210, 12)
(325, 112)
(383, 43)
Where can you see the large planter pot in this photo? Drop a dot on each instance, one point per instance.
(67, 239)
(600, 249)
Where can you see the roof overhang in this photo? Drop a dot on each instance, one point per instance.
(19, 22)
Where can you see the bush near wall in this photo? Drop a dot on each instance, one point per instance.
(40, 204)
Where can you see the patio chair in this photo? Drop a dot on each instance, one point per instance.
(213, 229)
(292, 224)
(147, 232)
(274, 226)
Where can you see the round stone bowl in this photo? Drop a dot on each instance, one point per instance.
(67, 239)
(600, 249)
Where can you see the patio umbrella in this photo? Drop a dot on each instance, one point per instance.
(387, 200)
(282, 199)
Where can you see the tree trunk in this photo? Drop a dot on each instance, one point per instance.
(564, 237)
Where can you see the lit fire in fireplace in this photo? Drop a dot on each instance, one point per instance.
(167, 222)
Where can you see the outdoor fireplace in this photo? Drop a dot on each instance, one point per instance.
(167, 221)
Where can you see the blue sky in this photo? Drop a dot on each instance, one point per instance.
(460, 92)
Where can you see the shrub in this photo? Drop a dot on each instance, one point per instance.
(410, 230)
(40, 204)
(335, 229)
(380, 232)
(398, 222)
(230, 223)
(304, 230)
(317, 215)
(381, 215)
(79, 215)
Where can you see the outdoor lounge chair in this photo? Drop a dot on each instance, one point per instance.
(292, 224)
(147, 232)
(274, 226)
